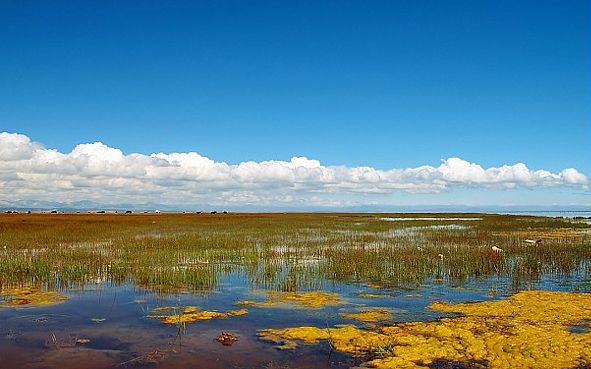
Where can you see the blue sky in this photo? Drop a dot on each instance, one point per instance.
(383, 84)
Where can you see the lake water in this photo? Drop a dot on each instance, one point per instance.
(113, 318)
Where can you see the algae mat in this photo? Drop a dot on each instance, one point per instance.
(190, 314)
(29, 296)
(312, 299)
(530, 329)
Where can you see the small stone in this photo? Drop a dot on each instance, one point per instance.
(227, 339)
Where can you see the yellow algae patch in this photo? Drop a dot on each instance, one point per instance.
(164, 308)
(529, 306)
(528, 330)
(30, 296)
(254, 303)
(372, 295)
(185, 310)
(281, 343)
(369, 315)
(191, 314)
(190, 309)
(315, 299)
(347, 338)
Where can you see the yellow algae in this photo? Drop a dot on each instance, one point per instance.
(535, 305)
(164, 308)
(372, 295)
(413, 296)
(190, 309)
(254, 303)
(280, 342)
(185, 309)
(191, 314)
(373, 285)
(314, 299)
(527, 330)
(30, 296)
(346, 338)
(369, 315)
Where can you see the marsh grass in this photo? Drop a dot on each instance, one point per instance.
(175, 253)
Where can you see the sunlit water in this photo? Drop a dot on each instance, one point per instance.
(565, 214)
(113, 320)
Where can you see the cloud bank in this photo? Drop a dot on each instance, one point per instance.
(95, 171)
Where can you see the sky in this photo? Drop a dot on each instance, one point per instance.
(307, 104)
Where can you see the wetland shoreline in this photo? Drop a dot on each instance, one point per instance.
(88, 284)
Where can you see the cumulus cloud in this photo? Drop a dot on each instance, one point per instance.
(99, 172)
(16, 147)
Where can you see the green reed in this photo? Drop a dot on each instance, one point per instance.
(283, 251)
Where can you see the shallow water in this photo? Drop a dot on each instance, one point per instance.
(400, 266)
(122, 336)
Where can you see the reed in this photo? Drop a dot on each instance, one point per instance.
(285, 252)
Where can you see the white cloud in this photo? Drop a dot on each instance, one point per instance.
(16, 147)
(96, 171)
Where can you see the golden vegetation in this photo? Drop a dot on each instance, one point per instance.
(313, 299)
(30, 296)
(346, 338)
(372, 295)
(528, 330)
(370, 315)
(190, 314)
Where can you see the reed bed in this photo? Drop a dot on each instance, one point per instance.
(286, 252)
